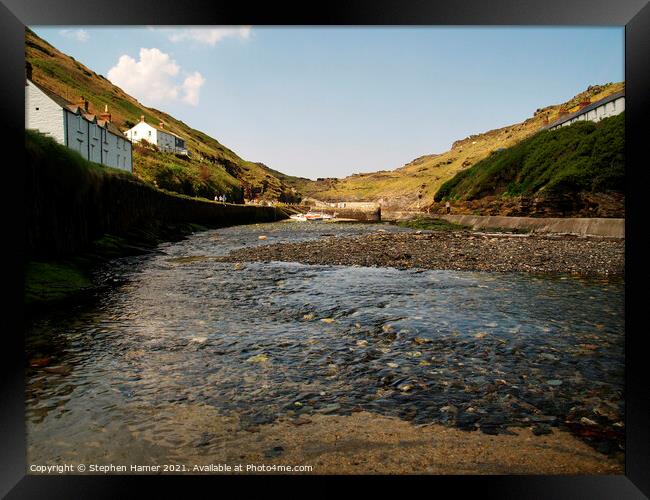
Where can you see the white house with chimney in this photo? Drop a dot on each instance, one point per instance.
(94, 137)
(159, 136)
(611, 105)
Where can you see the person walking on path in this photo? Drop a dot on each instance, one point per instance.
(448, 207)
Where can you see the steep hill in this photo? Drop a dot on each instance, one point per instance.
(583, 157)
(212, 167)
(415, 184)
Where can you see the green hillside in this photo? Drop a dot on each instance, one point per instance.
(582, 157)
(212, 167)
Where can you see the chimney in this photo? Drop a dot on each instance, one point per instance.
(105, 115)
(28, 70)
(82, 103)
(142, 118)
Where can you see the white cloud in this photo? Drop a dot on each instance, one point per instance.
(79, 35)
(155, 78)
(209, 36)
(191, 87)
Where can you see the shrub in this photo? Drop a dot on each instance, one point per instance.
(584, 156)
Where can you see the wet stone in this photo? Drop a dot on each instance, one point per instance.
(541, 429)
(274, 452)
(331, 408)
(205, 439)
(465, 419)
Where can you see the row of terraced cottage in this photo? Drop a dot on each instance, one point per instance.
(93, 136)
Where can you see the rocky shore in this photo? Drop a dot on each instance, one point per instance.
(455, 250)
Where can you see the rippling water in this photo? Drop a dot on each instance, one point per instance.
(133, 373)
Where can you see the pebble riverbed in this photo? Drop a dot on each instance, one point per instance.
(181, 329)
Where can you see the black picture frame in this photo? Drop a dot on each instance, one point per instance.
(633, 14)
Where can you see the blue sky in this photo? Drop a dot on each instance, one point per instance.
(329, 102)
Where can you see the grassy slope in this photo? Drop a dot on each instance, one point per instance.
(213, 167)
(415, 184)
(585, 156)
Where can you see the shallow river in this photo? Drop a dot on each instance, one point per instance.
(178, 331)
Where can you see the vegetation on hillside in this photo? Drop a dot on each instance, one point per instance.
(177, 174)
(42, 149)
(212, 168)
(584, 156)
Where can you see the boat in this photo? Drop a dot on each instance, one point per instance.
(311, 216)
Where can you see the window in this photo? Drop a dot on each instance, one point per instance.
(135, 132)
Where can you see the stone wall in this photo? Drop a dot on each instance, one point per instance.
(587, 226)
(358, 210)
(352, 213)
(67, 207)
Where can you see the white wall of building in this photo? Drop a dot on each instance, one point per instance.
(141, 131)
(608, 109)
(165, 141)
(76, 133)
(116, 151)
(43, 114)
(92, 141)
(95, 143)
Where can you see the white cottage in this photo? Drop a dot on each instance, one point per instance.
(94, 137)
(164, 139)
(611, 105)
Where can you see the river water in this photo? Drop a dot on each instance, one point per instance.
(179, 340)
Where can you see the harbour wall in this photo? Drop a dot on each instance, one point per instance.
(373, 215)
(585, 226)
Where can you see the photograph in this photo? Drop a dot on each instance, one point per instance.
(325, 250)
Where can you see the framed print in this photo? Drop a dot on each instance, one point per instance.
(377, 243)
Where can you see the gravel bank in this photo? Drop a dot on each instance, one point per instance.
(459, 250)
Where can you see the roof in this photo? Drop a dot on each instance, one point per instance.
(586, 109)
(76, 109)
(110, 127)
(168, 132)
